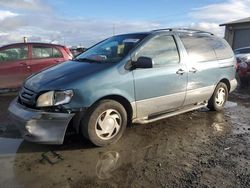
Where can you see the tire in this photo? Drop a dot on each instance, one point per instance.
(104, 123)
(219, 97)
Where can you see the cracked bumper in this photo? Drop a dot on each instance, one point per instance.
(39, 126)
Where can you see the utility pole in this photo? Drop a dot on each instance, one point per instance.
(25, 39)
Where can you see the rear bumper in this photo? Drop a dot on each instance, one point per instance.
(39, 126)
(233, 85)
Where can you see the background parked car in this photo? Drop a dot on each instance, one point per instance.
(243, 64)
(18, 61)
(76, 50)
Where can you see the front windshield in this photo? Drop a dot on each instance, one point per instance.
(111, 50)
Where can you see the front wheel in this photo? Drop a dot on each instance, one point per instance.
(219, 97)
(104, 123)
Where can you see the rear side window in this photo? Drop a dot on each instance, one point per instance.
(221, 48)
(162, 50)
(14, 54)
(199, 48)
(56, 53)
(45, 52)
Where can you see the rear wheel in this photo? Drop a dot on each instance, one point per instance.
(219, 97)
(105, 122)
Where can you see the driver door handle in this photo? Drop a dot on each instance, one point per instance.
(23, 63)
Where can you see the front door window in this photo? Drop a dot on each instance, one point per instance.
(14, 54)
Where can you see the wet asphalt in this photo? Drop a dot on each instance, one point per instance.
(197, 149)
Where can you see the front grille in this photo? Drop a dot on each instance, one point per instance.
(27, 97)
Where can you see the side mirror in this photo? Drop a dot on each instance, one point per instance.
(143, 63)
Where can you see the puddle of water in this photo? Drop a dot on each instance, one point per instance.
(8, 149)
(9, 146)
(230, 104)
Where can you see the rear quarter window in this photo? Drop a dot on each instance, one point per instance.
(198, 48)
(56, 53)
(221, 48)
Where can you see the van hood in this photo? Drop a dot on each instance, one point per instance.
(59, 76)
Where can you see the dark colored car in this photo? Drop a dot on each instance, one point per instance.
(138, 77)
(20, 60)
(243, 64)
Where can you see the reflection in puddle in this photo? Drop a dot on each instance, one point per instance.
(106, 164)
(218, 127)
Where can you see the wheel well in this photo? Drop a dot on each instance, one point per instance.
(226, 81)
(124, 102)
(76, 121)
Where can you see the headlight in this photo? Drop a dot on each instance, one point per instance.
(54, 98)
(46, 99)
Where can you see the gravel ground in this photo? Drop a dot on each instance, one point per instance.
(196, 149)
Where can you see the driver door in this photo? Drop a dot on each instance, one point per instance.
(162, 88)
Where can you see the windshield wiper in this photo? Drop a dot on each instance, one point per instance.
(86, 59)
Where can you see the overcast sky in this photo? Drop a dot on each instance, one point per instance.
(86, 22)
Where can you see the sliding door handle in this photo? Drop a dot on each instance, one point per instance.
(193, 70)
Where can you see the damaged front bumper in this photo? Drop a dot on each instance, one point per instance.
(40, 126)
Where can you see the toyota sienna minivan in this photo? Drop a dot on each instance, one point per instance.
(139, 78)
